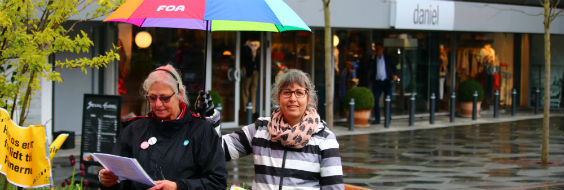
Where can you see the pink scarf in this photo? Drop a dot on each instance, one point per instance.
(293, 136)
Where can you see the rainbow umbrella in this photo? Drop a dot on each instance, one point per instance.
(210, 15)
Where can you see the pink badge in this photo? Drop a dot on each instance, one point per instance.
(144, 145)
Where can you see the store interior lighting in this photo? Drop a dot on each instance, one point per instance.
(143, 39)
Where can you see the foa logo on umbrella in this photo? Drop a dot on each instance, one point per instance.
(170, 8)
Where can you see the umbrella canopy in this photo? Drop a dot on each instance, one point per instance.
(211, 15)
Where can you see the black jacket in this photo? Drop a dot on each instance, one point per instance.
(188, 151)
(391, 69)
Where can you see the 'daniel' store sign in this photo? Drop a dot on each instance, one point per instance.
(423, 14)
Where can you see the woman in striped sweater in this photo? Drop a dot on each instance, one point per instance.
(293, 149)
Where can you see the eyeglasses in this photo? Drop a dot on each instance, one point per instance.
(164, 99)
(300, 93)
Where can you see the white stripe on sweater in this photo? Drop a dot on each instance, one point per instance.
(326, 144)
(290, 164)
(231, 147)
(331, 171)
(263, 186)
(262, 133)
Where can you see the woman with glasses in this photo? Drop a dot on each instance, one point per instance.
(293, 149)
(177, 149)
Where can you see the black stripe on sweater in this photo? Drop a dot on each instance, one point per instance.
(227, 155)
(331, 180)
(332, 152)
(244, 141)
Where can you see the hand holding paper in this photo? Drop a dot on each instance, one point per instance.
(107, 178)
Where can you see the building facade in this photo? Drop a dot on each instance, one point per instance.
(437, 45)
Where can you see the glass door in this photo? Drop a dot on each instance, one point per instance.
(225, 75)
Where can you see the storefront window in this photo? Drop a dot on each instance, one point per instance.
(182, 48)
(291, 50)
(409, 50)
(319, 69)
(224, 72)
(350, 63)
(537, 73)
(487, 58)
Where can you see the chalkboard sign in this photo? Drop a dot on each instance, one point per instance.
(100, 124)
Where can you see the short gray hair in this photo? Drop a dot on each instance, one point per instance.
(294, 76)
(171, 79)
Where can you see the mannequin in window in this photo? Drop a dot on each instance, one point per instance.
(442, 70)
(250, 58)
(488, 61)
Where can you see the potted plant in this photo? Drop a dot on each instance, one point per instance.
(363, 103)
(216, 98)
(465, 95)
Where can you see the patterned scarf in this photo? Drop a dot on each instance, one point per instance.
(293, 136)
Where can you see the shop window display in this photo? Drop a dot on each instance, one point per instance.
(291, 50)
(488, 58)
(180, 47)
(350, 63)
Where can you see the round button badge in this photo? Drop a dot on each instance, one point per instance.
(152, 140)
(144, 145)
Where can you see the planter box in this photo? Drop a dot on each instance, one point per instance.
(466, 109)
(360, 118)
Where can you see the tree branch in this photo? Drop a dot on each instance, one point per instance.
(512, 9)
(45, 16)
(27, 98)
(14, 104)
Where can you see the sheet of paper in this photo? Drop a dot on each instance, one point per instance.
(124, 168)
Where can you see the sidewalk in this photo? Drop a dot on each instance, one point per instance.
(62, 170)
(401, 122)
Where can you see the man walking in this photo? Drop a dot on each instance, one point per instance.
(384, 72)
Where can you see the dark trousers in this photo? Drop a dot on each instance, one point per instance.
(378, 87)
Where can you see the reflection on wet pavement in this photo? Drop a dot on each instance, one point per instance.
(490, 156)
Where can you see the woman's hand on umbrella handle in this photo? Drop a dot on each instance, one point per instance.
(164, 185)
(107, 178)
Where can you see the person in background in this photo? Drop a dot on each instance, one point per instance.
(384, 73)
(293, 149)
(175, 147)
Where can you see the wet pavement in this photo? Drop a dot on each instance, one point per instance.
(489, 156)
(482, 154)
(486, 156)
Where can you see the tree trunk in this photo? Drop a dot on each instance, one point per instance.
(27, 98)
(546, 119)
(328, 67)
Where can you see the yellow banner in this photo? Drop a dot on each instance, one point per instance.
(23, 157)
(56, 144)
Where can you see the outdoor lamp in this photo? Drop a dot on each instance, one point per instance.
(143, 39)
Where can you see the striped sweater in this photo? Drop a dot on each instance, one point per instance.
(316, 166)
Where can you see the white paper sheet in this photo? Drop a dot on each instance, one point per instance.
(124, 168)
